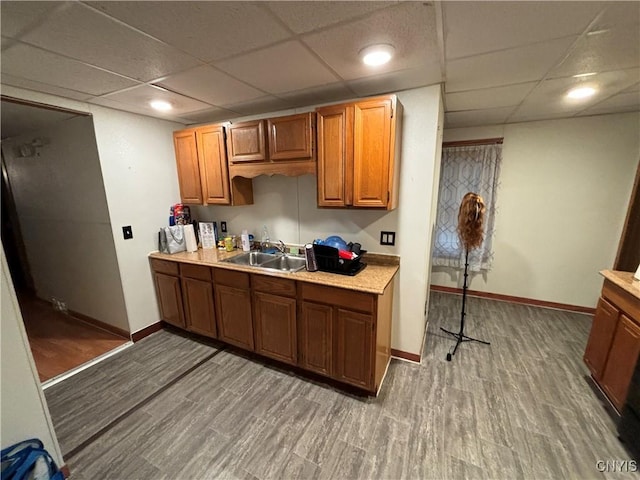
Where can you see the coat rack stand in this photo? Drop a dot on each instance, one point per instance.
(460, 336)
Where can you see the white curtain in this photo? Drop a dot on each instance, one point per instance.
(473, 168)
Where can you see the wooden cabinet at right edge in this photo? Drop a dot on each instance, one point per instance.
(614, 342)
(359, 153)
(344, 334)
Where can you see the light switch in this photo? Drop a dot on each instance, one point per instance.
(387, 238)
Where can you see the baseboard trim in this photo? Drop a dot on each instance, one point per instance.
(412, 357)
(146, 331)
(510, 298)
(65, 471)
(100, 324)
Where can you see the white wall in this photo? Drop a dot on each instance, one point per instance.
(23, 409)
(288, 206)
(62, 209)
(140, 182)
(563, 196)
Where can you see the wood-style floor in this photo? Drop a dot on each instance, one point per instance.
(520, 408)
(60, 342)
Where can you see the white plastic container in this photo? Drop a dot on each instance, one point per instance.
(244, 238)
(190, 238)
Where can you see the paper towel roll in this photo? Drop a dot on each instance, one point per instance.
(190, 238)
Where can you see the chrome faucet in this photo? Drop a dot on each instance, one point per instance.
(282, 248)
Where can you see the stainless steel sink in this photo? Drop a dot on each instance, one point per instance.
(269, 261)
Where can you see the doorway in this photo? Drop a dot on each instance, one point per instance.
(57, 239)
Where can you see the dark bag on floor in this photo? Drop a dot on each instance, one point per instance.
(28, 460)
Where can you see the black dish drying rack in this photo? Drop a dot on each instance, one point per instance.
(328, 260)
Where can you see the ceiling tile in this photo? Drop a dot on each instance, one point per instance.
(210, 85)
(42, 87)
(317, 95)
(81, 32)
(141, 96)
(619, 13)
(20, 16)
(281, 68)
(517, 65)
(632, 89)
(7, 42)
(510, 95)
(478, 27)
(207, 30)
(395, 81)
(261, 105)
(38, 65)
(107, 102)
(612, 50)
(622, 102)
(410, 27)
(472, 118)
(303, 17)
(211, 115)
(550, 96)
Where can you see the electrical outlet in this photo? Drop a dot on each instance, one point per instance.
(223, 227)
(127, 232)
(387, 238)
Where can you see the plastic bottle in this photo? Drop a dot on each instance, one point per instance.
(265, 242)
(245, 241)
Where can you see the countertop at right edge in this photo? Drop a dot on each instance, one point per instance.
(623, 280)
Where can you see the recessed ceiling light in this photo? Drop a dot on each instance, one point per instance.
(375, 55)
(161, 105)
(581, 92)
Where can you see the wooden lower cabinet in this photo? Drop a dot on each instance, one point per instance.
(621, 363)
(341, 334)
(170, 299)
(199, 306)
(275, 327)
(315, 337)
(354, 348)
(233, 313)
(613, 348)
(602, 330)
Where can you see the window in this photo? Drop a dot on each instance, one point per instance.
(466, 168)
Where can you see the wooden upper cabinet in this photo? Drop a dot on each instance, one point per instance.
(246, 142)
(188, 165)
(371, 153)
(602, 330)
(335, 155)
(358, 153)
(214, 173)
(203, 171)
(291, 137)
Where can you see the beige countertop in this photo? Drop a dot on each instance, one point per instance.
(374, 278)
(623, 280)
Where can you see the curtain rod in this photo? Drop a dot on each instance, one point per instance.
(481, 141)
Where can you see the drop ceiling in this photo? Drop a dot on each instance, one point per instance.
(498, 62)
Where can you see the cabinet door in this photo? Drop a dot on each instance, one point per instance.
(335, 156)
(600, 338)
(622, 361)
(184, 143)
(246, 142)
(198, 305)
(214, 170)
(275, 325)
(372, 153)
(291, 137)
(315, 335)
(170, 299)
(233, 313)
(354, 352)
